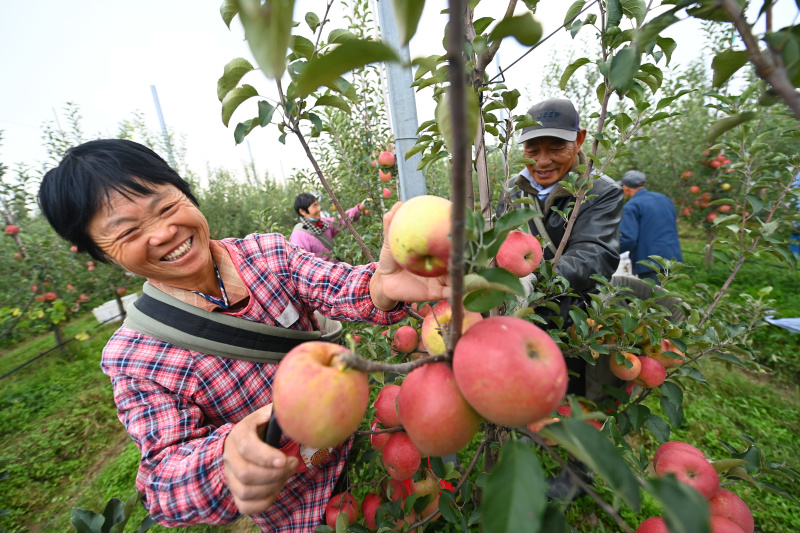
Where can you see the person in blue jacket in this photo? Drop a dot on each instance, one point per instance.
(648, 225)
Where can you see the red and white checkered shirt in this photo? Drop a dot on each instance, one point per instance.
(179, 405)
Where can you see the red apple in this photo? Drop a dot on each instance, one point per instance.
(369, 506)
(711, 217)
(366, 211)
(510, 371)
(520, 253)
(438, 318)
(724, 208)
(400, 457)
(49, 297)
(655, 524)
(690, 468)
(341, 503)
(686, 174)
(667, 362)
(316, 401)
(652, 373)
(728, 505)
(122, 291)
(419, 236)
(73, 249)
(395, 489)
(694, 189)
(676, 445)
(405, 339)
(715, 164)
(421, 311)
(378, 441)
(687, 211)
(433, 411)
(720, 524)
(17, 255)
(386, 159)
(384, 176)
(386, 193)
(386, 406)
(620, 370)
(11, 229)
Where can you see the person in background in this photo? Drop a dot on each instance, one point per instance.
(199, 419)
(314, 232)
(649, 225)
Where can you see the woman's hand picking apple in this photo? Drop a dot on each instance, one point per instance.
(255, 472)
(391, 283)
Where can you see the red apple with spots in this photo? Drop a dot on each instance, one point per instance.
(730, 506)
(378, 440)
(691, 469)
(369, 506)
(655, 524)
(405, 339)
(520, 253)
(386, 406)
(652, 373)
(400, 457)
(629, 372)
(341, 503)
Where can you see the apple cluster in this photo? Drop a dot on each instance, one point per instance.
(648, 370)
(719, 165)
(729, 513)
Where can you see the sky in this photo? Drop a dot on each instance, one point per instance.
(104, 56)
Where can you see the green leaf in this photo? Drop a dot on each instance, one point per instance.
(234, 98)
(727, 357)
(624, 66)
(113, 514)
(659, 428)
(302, 46)
(127, 511)
(268, 31)
(312, 19)
(243, 128)
(447, 506)
(727, 123)
(726, 464)
(514, 496)
(593, 448)
(726, 64)
(341, 522)
(350, 55)
(672, 392)
(228, 10)
(265, 112)
(635, 9)
(674, 412)
(444, 117)
(573, 10)
(644, 35)
(407, 14)
(524, 28)
(86, 521)
(339, 36)
(493, 278)
(331, 100)
(481, 24)
(232, 74)
(684, 509)
(570, 70)
(614, 13)
(668, 45)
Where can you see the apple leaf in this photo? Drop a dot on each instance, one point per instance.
(727, 123)
(570, 70)
(659, 427)
(726, 64)
(574, 10)
(234, 98)
(590, 446)
(407, 14)
(231, 75)
(635, 9)
(228, 10)
(350, 55)
(268, 31)
(684, 509)
(243, 128)
(614, 8)
(624, 66)
(445, 121)
(726, 464)
(488, 288)
(524, 28)
(514, 496)
(331, 100)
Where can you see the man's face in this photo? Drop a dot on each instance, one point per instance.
(554, 157)
(313, 211)
(161, 236)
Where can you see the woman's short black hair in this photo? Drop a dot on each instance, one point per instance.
(73, 192)
(303, 201)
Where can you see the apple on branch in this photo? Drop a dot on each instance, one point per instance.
(439, 316)
(520, 253)
(510, 371)
(731, 507)
(691, 469)
(341, 503)
(316, 401)
(419, 236)
(369, 506)
(400, 456)
(386, 406)
(405, 339)
(676, 445)
(629, 372)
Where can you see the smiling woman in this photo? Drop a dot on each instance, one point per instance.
(196, 416)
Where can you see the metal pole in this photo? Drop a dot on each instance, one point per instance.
(402, 105)
(167, 142)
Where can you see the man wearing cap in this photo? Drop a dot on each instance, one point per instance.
(593, 245)
(648, 225)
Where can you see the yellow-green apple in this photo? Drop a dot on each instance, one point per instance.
(676, 445)
(433, 411)
(438, 317)
(400, 457)
(690, 468)
(628, 373)
(725, 186)
(369, 505)
(655, 524)
(665, 360)
(427, 485)
(419, 236)
(405, 339)
(510, 371)
(520, 253)
(378, 440)
(341, 503)
(11, 229)
(651, 374)
(728, 505)
(386, 159)
(386, 406)
(386, 193)
(384, 176)
(720, 524)
(317, 402)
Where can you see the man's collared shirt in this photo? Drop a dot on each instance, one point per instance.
(543, 192)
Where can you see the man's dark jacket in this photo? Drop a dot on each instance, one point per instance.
(593, 245)
(649, 228)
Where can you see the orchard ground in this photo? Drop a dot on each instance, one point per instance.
(67, 449)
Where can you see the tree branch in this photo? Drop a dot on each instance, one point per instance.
(355, 361)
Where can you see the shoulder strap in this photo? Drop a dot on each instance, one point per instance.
(170, 320)
(539, 223)
(324, 239)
